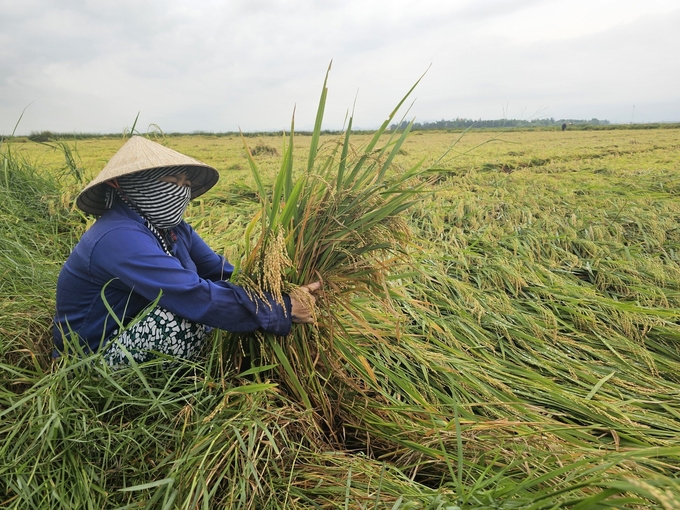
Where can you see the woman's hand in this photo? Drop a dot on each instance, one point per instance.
(302, 300)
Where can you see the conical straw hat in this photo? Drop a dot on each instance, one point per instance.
(139, 154)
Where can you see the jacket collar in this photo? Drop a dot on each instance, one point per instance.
(121, 208)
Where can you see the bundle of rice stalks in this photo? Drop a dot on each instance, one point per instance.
(337, 221)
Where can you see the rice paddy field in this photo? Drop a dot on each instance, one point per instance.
(499, 329)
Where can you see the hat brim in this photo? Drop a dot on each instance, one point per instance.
(138, 155)
(93, 198)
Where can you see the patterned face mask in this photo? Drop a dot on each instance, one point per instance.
(162, 203)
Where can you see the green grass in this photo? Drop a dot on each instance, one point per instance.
(507, 340)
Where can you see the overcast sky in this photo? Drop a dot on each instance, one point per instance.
(209, 65)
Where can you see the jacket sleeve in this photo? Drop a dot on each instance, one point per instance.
(133, 256)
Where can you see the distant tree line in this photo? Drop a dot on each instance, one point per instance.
(461, 123)
(577, 124)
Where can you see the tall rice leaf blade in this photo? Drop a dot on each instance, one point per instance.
(328, 167)
(291, 206)
(387, 121)
(371, 145)
(317, 123)
(358, 166)
(377, 215)
(289, 159)
(394, 152)
(247, 236)
(15, 129)
(378, 155)
(283, 359)
(260, 187)
(343, 155)
(134, 124)
(254, 171)
(279, 187)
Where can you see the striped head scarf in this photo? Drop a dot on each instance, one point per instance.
(162, 203)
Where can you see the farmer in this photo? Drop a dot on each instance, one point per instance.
(139, 249)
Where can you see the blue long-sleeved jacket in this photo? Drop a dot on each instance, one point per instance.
(120, 250)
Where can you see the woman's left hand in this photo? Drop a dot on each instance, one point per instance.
(302, 300)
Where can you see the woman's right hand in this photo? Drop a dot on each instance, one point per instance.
(302, 300)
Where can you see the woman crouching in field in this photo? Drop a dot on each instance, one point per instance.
(140, 248)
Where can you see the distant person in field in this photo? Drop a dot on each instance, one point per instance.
(564, 126)
(140, 248)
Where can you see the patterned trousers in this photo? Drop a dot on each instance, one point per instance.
(160, 331)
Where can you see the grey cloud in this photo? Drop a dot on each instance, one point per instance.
(217, 65)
